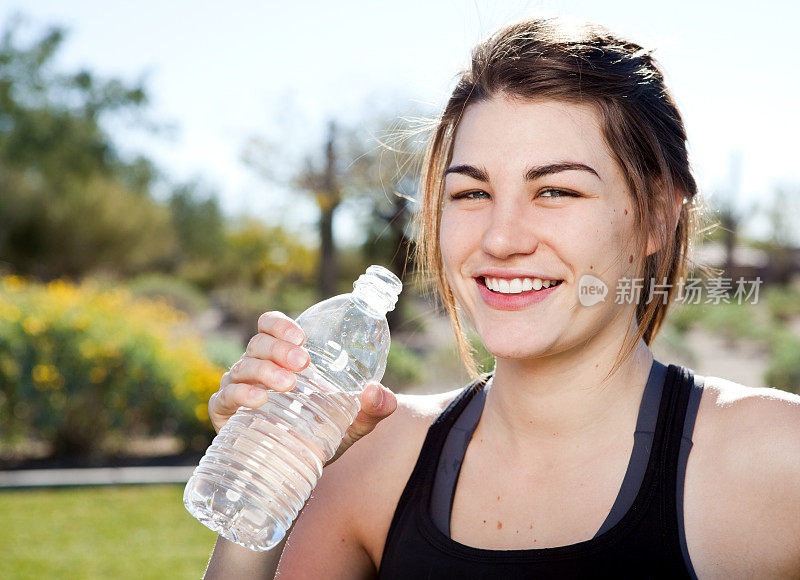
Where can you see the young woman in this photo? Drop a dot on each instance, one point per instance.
(559, 164)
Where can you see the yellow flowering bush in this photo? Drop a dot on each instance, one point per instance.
(81, 362)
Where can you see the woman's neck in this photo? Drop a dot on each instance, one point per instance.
(565, 398)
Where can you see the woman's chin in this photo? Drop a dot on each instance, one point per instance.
(519, 352)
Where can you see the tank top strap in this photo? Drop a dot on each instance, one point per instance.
(669, 439)
(430, 452)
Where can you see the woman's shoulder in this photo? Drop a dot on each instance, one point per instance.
(396, 441)
(733, 408)
(421, 410)
(380, 464)
(745, 421)
(743, 473)
(755, 430)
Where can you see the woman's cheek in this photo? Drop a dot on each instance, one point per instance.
(451, 247)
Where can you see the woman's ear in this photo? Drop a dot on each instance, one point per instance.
(666, 222)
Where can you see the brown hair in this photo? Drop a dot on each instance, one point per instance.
(546, 58)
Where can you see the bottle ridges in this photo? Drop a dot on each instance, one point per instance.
(265, 462)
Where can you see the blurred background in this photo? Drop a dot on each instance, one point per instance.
(169, 171)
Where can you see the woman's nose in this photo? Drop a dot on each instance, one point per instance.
(510, 231)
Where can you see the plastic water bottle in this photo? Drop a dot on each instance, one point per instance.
(260, 469)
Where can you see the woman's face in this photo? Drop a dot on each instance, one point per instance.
(534, 201)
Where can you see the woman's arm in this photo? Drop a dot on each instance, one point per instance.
(230, 560)
(342, 530)
(324, 542)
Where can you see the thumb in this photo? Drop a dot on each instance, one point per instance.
(377, 403)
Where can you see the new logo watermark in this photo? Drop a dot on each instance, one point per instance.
(592, 290)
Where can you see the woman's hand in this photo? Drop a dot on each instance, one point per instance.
(269, 363)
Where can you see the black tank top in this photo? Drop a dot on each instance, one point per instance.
(641, 538)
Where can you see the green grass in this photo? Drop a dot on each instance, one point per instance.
(110, 532)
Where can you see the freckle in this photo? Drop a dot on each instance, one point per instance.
(630, 259)
(534, 541)
(516, 532)
(597, 365)
(499, 525)
(591, 267)
(530, 422)
(498, 498)
(531, 527)
(555, 434)
(626, 211)
(484, 521)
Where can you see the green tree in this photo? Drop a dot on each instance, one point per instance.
(370, 166)
(69, 203)
(198, 221)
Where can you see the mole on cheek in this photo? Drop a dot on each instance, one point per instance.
(630, 259)
(499, 525)
(626, 211)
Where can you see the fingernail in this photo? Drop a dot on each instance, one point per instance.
(295, 336)
(297, 358)
(377, 397)
(284, 379)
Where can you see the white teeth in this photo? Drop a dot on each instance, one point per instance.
(517, 285)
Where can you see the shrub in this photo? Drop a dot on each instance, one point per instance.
(179, 293)
(403, 367)
(223, 351)
(783, 302)
(682, 317)
(80, 363)
(784, 364)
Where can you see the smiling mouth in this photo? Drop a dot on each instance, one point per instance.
(516, 285)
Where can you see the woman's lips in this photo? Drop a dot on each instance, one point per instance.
(500, 301)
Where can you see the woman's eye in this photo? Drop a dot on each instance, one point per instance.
(555, 193)
(472, 194)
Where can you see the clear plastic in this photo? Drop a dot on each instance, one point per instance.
(260, 469)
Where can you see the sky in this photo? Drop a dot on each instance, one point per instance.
(219, 75)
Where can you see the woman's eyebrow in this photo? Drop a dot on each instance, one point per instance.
(531, 174)
(470, 171)
(542, 170)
